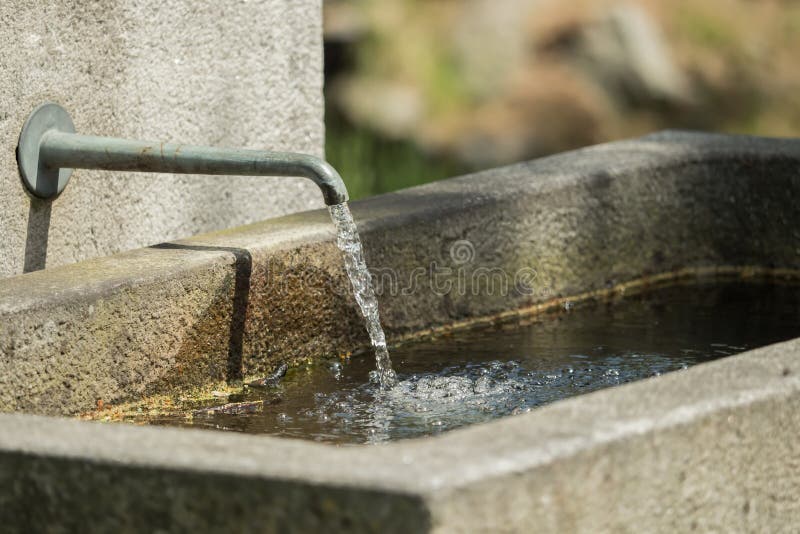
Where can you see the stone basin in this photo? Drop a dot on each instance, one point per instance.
(710, 448)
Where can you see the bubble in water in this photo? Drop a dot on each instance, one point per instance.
(283, 418)
(482, 385)
(336, 370)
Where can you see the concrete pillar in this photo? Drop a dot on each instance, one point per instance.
(244, 74)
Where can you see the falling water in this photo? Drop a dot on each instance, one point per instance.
(350, 245)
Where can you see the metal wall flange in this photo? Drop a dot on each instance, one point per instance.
(39, 179)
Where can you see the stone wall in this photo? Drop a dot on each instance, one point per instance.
(192, 71)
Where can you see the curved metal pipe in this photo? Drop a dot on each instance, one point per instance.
(48, 146)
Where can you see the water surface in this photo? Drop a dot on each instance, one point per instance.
(480, 375)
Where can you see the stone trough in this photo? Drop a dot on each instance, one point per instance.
(711, 448)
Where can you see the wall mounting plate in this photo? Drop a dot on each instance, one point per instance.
(40, 180)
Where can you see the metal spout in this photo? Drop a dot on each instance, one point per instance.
(49, 149)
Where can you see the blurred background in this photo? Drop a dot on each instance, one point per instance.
(419, 90)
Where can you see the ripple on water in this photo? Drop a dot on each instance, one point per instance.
(456, 396)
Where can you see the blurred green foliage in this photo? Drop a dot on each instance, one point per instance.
(371, 164)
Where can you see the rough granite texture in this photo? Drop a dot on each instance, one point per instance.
(192, 71)
(238, 302)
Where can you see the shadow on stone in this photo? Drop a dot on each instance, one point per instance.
(241, 297)
(37, 234)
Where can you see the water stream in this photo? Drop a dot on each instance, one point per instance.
(349, 243)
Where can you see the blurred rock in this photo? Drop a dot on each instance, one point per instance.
(544, 109)
(490, 42)
(626, 53)
(343, 22)
(391, 108)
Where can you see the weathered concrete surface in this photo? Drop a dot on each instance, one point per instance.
(709, 449)
(192, 71)
(237, 302)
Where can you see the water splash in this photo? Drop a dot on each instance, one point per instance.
(349, 243)
(432, 402)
